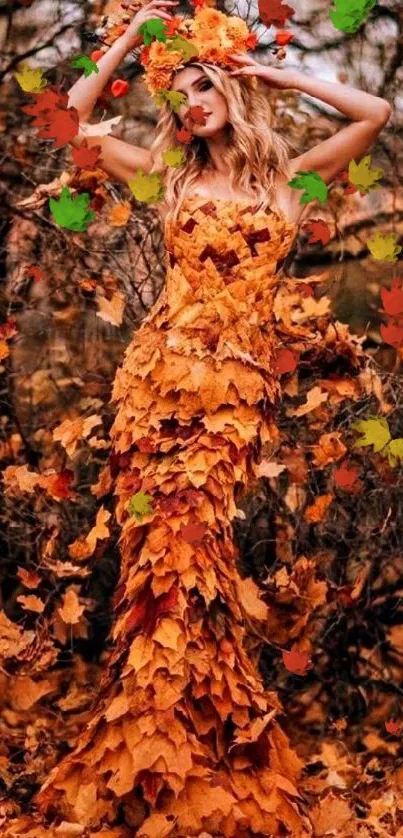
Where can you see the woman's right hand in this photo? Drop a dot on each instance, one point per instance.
(151, 10)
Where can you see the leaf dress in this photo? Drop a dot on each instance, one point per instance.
(183, 731)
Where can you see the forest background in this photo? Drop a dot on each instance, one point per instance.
(322, 545)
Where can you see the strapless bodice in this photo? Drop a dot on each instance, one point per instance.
(220, 241)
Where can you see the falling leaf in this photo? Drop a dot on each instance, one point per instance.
(100, 530)
(314, 398)
(193, 532)
(319, 231)
(392, 333)
(285, 361)
(362, 176)
(71, 610)
(147, 188)
(274, 13)
(100, 129)
(120, 214)
(375, 432)
(174, 157)
(84, 62)
(31, 603)
(268, 468)
(36, 272)
(393, 299)
(111, 310)
(314, 186)
(175, 99)
(392, 727)
(180, 44)
(383, 246)
(350, 14)
(72, 211)
(30, 80)
(153, 28)
(183, 136)
(86, 157)
(328, 449)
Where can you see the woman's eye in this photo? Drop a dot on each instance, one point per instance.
(205, 84)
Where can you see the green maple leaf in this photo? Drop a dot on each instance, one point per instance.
(394, 451)
(140, 505)
(84, 62)
(173, 97)
(362, 176)
(375, 431)
(315, 187)
(154, 28)
(180, 44)
(147, 188)
(349, 14)
(174, 156)
(384, 246)
(72, 212)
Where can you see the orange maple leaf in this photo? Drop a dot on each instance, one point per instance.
(296, 662)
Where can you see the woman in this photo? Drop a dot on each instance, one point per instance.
(184, 740)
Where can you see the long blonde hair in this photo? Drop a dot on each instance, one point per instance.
(255, 153)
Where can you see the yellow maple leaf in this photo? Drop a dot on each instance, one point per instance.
(30, 80)
(384, 246)
(362, 176)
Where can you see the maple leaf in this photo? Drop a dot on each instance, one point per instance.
(153, 28)
(180, 44)
(392, 333)
(345, 476)
(174, 157)
(195, 114)
(349, 14)
(184, 136)
(85, 63)
(86, 157)
(147, 188)
(175, 99)
(394, 451)
(296, 662)
(30, 80)
(273, 13)
(375, 431)
(314, 397)
(393, 299)
(140, 505)
(319, 231)
(362, 176)
(314, 186)
(119, 214)
(317, 510)
(384, 246)
(62, 126)
(72, 212)
(49, 100)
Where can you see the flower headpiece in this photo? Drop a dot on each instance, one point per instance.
(210, 36)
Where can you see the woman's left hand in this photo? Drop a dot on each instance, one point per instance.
(278, 78)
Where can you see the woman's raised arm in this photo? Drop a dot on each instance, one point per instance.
(120, 159)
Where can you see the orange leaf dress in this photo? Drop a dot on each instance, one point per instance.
(184, 733)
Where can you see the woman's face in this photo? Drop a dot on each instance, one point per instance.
(200, 91)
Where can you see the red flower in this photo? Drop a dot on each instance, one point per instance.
(119, 88)
(251, 40)
(283, 38)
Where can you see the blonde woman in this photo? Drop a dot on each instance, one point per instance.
(184, 740)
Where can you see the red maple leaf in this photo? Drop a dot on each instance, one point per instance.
(62, 126)
(344, 476)
(272, 13)
(49, 100)
(392, 333)
(184, 136)
(86, 157)
(393, 299)
(171, 26)
(60, 484)
(319, 231)
(296, 662)
(8, 329)
(195, 114)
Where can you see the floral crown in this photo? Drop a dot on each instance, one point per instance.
(210, 36)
